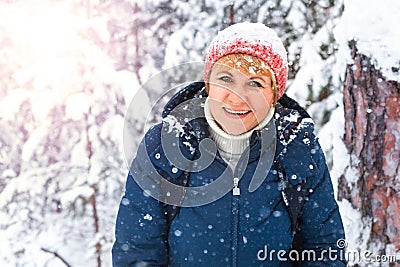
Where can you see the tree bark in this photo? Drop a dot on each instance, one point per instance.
(372, 137)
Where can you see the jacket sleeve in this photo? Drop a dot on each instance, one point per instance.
(141, 227)
(321, 225)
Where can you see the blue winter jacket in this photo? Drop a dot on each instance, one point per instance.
(251, 229)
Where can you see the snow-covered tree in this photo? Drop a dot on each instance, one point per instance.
(62, 114)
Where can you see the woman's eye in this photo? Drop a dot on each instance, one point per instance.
(226, 79)
(255, 84)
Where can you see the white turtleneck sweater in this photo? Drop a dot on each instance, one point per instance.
(229, 146)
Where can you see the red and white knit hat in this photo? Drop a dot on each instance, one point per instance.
(254, 39)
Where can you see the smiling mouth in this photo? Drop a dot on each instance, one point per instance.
(236, 112)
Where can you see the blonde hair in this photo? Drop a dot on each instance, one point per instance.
(249, 65)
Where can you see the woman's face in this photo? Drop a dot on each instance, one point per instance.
(239, 97)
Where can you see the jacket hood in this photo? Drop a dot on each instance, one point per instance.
(193, 90)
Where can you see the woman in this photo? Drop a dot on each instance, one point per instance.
(241, 100)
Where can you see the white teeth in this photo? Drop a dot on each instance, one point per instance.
(236, 112)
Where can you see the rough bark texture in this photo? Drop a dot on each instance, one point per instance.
(372, 136)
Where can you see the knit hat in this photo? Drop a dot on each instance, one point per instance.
(254, 39)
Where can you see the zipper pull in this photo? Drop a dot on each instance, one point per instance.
(236, 189)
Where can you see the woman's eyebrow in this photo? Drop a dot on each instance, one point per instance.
(224, 72)
(257, 77)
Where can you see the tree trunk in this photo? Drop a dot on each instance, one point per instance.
(93, 199)
(372, 137)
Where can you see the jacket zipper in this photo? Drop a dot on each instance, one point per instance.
(235, 222)
(235, 215)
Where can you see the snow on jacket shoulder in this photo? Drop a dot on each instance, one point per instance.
(245, 230)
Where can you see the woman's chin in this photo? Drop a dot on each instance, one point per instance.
(234, 130)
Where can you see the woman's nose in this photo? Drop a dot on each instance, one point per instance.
(236, 96)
